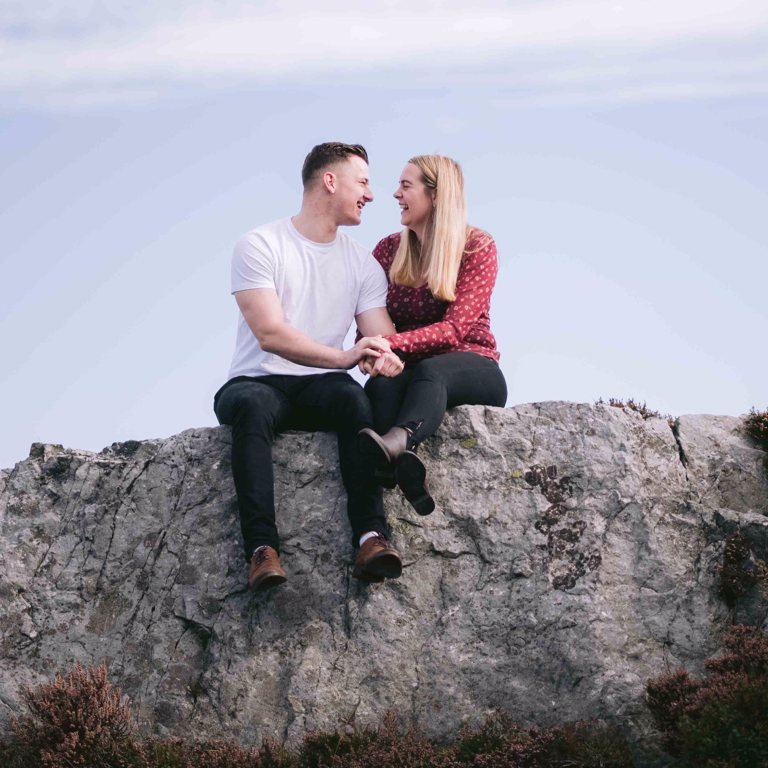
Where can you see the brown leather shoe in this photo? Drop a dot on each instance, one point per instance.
(377, 560)
(266, 570)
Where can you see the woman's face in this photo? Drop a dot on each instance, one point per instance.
(416, 200)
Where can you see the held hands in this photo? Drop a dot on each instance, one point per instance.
(387, 364)
(367, 348)
(374, 356)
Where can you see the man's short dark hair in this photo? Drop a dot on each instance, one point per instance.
(326, 154)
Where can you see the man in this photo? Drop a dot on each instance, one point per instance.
(298, 284)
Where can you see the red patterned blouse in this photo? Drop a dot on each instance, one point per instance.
(427, 326)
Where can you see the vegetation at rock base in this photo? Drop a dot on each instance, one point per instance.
(386, 746)
(739, 571)
(79, 720)
(500, 743)
(635, 405)
(756, 426)
(720, 722)
(176, 753)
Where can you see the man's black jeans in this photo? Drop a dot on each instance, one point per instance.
(419, 396)
(257, 408)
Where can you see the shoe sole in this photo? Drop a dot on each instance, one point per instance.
(373, 450)
(411, 476)
(267, 581)
(385, 566)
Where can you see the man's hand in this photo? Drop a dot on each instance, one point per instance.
(388, 364)
(367, 348)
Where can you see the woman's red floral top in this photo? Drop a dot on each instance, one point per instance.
(427, 326)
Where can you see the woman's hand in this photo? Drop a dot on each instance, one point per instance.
(388, 364)
(367, 348)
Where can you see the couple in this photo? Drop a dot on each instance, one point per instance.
(420, 302)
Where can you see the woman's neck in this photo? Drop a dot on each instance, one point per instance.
(420, 232)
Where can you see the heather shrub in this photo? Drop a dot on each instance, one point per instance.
(384, 747)
(498, 743)
(731, 732)
(668, 698)
(739, 571)
(756, 426)
(274, 755)
(222, 754)
(634, 405)
(76, 720)
(12, 755)
(163, 753)
(175, 753)
(321, 748)
(587, 745)
(502, 743)
(722, 721)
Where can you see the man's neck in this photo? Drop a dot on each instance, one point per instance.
(314, 226)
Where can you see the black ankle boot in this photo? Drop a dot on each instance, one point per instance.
(411, 476)
(386, 447)
(381, 452)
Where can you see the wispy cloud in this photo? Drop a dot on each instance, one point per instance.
(92, 50)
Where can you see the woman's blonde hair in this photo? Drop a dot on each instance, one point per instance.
(438, 258)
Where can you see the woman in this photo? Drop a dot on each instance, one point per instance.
(441, 273)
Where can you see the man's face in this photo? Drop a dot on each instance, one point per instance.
(353, 190)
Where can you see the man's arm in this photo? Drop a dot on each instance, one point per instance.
(263, 312)
(376, 322)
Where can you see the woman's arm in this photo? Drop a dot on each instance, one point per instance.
(477, 276)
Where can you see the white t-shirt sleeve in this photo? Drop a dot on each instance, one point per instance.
(373, 287)
(253, 265)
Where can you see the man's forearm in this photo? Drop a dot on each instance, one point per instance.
(297, 347)
(263, 313)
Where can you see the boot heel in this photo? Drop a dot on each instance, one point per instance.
(411, 476)
(385, 477)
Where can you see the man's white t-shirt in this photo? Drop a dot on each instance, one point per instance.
(321, 286)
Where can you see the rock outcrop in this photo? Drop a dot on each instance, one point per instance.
(574, 554)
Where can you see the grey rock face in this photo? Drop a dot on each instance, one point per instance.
(572, 556)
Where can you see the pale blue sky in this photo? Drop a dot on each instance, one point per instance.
(617, 152)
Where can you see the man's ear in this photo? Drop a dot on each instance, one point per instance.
(329, 181)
